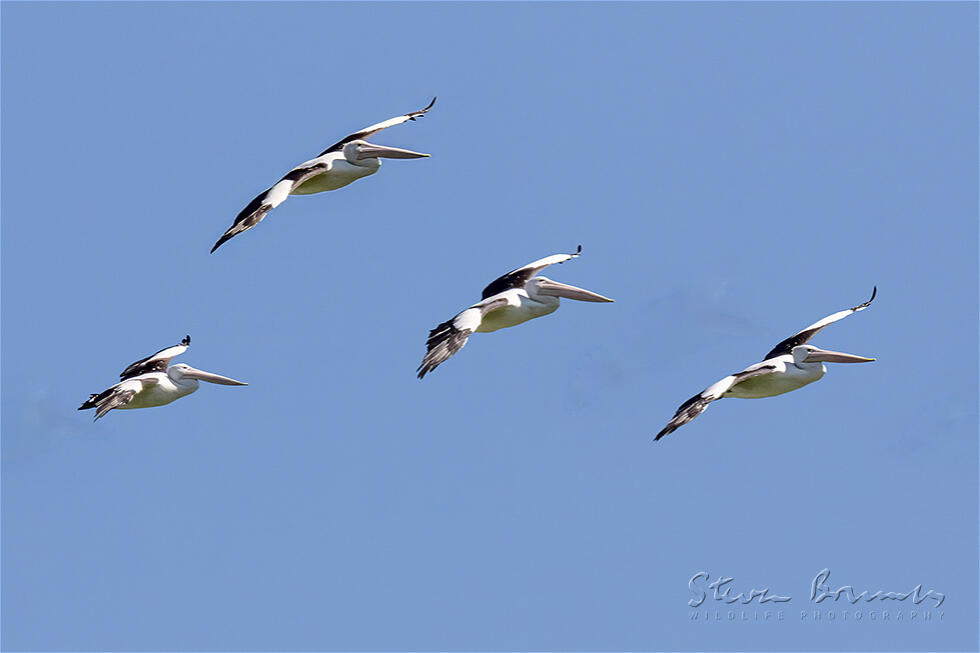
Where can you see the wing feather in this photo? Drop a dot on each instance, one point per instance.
(253, 214)
(118, 395)
(450, 336)
(517, 278)
(374, 129)
(699, 402)
(157, 362)
(803, 337)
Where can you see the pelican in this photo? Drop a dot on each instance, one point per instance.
(790, 365)
(153, 381)
(345, 161)
(518, 296)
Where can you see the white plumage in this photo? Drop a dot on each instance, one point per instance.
(344, 162)
(152, 381)
(514, 298)
(790, 365)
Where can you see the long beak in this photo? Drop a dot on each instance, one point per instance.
(549, 287)
(211, 378)
(824, 356)
(369, 150)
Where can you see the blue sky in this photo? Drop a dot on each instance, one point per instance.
(733, 172)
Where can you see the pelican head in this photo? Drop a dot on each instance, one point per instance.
(182, 371)
(811, 354)
(359, 151)
(548, 287)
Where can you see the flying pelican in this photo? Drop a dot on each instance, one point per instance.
(152, 381)
(345, 161)
(790, 365)
(518, 296)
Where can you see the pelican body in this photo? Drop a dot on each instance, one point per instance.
(789, 366)
(342, 163)
(152, 381)
(521, 306)
(342, 168)
(516, 297)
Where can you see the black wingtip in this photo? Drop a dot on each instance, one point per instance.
(225, 237)
(186, 341)
(874, 292)
(578, 252)
(421, 112)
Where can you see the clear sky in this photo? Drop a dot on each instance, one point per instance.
(733, 172)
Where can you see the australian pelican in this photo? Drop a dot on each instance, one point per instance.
(790, 365)
(345, 161)
(153, 381)
(516, 297)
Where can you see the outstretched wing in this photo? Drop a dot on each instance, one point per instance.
(118, 395)
(517, 278)
(374, 129)
(158, 362)
(699, 402)
(801, 338)
(450, 336)
(252, 214)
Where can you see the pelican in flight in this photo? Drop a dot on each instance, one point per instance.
(153, 381)
(516, 297)
(790, 365)
(345, 161)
